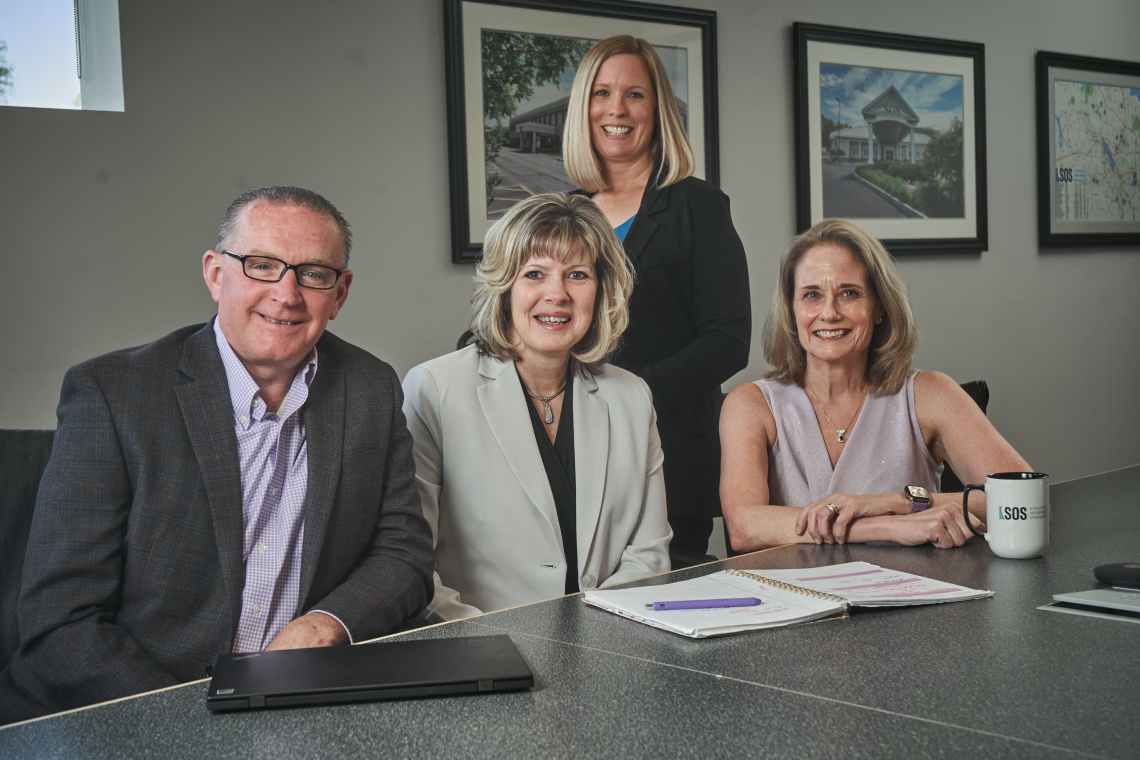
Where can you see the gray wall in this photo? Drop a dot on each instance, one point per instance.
(105, 215)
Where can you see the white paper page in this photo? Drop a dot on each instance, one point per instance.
(776, 608)
(868, 585)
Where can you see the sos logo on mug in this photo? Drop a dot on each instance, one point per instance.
(1017, 513)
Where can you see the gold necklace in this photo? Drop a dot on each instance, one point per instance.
(840, 432)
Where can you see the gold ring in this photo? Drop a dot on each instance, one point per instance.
(832, 508)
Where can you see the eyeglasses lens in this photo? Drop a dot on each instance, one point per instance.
(312, 276)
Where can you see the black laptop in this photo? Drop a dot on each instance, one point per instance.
(367, 672)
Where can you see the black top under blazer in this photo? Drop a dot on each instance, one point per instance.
(690, 329)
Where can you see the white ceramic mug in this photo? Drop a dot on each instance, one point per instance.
(1017, 513)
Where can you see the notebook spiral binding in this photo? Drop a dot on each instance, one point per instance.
(785, 586)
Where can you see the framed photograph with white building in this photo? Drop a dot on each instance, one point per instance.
(1088, 151)
(510, 65)
(890, 134)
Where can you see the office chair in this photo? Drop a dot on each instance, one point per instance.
(23, 456)
(466, 338)
(979, 391)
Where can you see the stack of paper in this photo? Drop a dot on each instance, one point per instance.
(786, 597)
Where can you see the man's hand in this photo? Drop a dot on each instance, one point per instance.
(313, 629)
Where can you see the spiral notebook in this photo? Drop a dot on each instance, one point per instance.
(786, 597)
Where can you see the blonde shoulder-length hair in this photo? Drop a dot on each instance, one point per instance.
(671, 149)
(895, 337)
(563, 227)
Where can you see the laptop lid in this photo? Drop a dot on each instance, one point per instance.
(367, 672)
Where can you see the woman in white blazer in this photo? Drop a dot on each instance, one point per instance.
(539, 466)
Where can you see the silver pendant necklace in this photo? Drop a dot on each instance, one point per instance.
(840, 432)
(547, 409)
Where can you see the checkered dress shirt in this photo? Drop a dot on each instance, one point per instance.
(273, 454)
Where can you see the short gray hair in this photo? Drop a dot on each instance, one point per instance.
(563, 227)
(288, 195)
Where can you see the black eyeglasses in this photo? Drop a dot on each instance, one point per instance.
(270, 269)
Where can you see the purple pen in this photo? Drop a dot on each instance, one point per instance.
(705, 604)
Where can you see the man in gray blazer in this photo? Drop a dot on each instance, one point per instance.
(241, 485)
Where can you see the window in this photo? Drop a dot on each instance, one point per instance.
(61, 54)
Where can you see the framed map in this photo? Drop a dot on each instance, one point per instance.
(1088, 151)
(890, 134)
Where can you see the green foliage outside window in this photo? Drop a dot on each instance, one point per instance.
(5, 70)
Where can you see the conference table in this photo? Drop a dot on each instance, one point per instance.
(995, 677)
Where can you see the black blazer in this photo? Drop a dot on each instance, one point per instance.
(134, 570)
(690, 328)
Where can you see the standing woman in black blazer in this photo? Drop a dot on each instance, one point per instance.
(690, 317)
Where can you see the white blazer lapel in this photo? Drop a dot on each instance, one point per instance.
(500, 398)
(591, 455)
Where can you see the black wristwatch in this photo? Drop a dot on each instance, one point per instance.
(918, 497)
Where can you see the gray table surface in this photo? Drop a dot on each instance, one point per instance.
(994, 677)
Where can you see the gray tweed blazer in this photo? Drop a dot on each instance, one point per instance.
(134, 571)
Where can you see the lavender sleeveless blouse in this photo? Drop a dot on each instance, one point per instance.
(885, 450)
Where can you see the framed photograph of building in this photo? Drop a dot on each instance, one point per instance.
(890, 134)
(1088, 151)
(510, 65)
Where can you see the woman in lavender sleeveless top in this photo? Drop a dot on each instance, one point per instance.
(844, 441)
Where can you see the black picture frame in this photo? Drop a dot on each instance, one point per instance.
(1069, 189)
(696, 27)
(947, 214)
